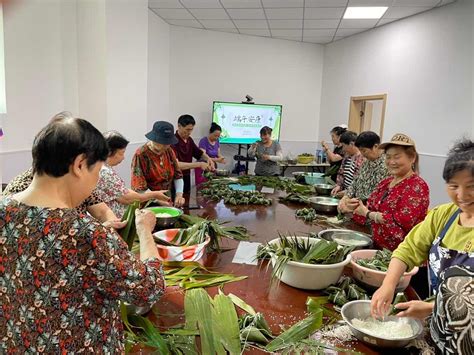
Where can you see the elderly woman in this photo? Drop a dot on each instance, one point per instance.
(335, 157)
(111, 187)
(93, 204)
(400, 201)
(445, 239)
(62, 274)
(372, 171)
(211, 146)
(268, 154)
(154, 165)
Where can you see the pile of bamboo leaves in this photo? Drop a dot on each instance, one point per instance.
(190, 274)
(278, 183)
(221, 331)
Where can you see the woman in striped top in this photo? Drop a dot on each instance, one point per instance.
(350, 166)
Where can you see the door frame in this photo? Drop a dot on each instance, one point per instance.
(354, 111)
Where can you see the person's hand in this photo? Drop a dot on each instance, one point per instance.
(179, 200)
(325, 146)
(145, 220)
(265, 157)
(115, 224)
(381, 301)
(415, 309)
(204, 165)
(163, 199)
(211, 165)
(335, 190)
(352, 204)
(342, 207)
(361, 210)
(221, 160)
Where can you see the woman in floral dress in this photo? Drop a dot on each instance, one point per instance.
(111, 187)
(446, 240)
(62, 274)
(400, 201)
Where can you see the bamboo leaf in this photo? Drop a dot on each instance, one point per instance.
(241, 304)
(297, 332)
(154, 339)
(198, 311)
(226, 324)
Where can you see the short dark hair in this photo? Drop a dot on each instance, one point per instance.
(215, 127)
(185, 120)
(367, 139)
(265, 130)
(57, 145)
(338, 130)
(460, 158)
(348, 137)
(115, 141)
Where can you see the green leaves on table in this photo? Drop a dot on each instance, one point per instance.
(189, 275)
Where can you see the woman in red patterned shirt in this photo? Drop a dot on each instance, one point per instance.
(400, 201)
(62, 273)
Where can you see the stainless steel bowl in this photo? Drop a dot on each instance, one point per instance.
(222, 172)
(323, 189)
(324, 204)
(361, 310)
(344, 236)
(166, 222)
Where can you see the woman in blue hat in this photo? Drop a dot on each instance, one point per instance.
(154, 165)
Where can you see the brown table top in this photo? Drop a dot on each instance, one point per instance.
(282, 305)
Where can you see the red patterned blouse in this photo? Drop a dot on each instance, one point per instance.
(62, 275)
(402, 206)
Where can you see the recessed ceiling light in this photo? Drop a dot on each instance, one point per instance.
(368, 12)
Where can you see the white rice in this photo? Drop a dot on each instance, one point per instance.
(162, 215)
(351, 242)
(387, 330)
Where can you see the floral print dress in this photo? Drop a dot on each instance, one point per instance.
(402, 206)
(109, 188)
(62, 275)
(154, 171)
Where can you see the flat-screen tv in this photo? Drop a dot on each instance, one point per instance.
(241, 123)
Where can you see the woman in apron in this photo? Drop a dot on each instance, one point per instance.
(446, 239)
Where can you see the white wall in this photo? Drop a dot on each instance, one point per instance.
(127, 66)
(424, 64)
(34, 69)
(158, 70)
(207, 66)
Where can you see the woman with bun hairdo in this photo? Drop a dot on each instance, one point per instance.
(211, 146)
(446, 240)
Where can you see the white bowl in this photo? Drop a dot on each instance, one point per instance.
(372, 279)
(310, 276)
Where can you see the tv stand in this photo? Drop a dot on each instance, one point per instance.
(239, 157)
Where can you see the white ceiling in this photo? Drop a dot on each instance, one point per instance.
(314, 21)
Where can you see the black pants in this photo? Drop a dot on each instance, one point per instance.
(419, 282)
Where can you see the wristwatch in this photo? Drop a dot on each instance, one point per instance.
(367, 215)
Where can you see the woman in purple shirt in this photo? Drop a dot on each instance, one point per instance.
(210, 145)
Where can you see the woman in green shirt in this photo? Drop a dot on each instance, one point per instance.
(446, 239)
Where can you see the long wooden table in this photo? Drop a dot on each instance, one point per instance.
(282, 305)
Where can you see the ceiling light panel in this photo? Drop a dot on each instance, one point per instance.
(365, 12)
